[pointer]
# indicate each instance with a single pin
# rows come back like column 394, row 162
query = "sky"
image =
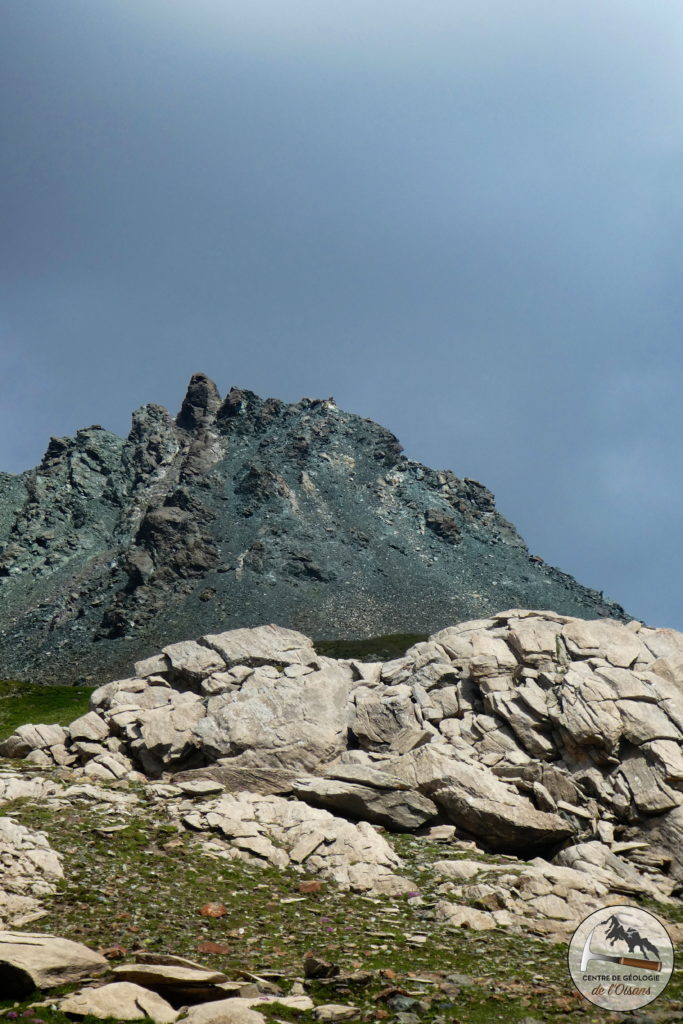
column 462, row 218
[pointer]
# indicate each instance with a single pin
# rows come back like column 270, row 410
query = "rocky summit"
column 241, row 511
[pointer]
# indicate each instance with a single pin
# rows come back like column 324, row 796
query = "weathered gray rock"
column 464, row 917
column 604, row 638
column 536, row 641
column 401, row 809
column 18, row 787
column 463, row 869
column 364, row 775
column 223, row 1011
column 28, row 738
column 280, row 831
column 264, row 645
column 180, row 983
column 119, row 999
column 31, row 870
column 237, row 778
column 336, row 1011
column 380, row 718
column 596, row 859
column 192, row 661
column 282, row 723
column 168, row 734
column 30, row 960
column 200, row 787
column 650, row 793
column 473, row 798
column 88, row 727
column 156, row 665
column 524, row 730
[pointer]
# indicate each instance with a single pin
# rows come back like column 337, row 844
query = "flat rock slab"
column 264, row 645
column 300, row 1003
column 201, row 787
column 364, row 775
column 403, row 809
column 170, row 977
column 122, row 1000
column 224, row 1011
column 30, row 960
column 464, row 917
column 242, row 779
column 336, row 1011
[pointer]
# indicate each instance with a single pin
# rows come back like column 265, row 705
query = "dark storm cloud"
column 463, row 219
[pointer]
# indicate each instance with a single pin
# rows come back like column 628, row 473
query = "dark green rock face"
column 240, row 512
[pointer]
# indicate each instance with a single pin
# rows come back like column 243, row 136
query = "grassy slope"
column 26, row 702
column 143, row 887
column 374, row 648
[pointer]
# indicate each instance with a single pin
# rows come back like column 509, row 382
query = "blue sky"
column 462, row 219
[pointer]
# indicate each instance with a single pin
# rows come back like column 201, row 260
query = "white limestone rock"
column 30, row 960
column 120, row 999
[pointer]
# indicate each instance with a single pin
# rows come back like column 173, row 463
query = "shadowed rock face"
column 242, row 511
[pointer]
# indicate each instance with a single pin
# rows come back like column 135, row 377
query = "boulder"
column 379, row 719
column 535, row 640
column 283, row 722
column 168, row 734
column 606, row 639
column 401, row 809
column 464, row 917
column 263, row 645
column 156, row 665
column 179, row 983
column 472, row 797
column 223, row 1011
column 237, row 778
column 28, row 738
column 191, row 661
column 649, row 792
column 331, row 1012
column 122, row 1000
column 31, row 961
column 200, row 787
column 89, row 727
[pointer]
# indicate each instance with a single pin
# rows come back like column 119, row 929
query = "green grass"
column 143, row 888
column 27, row 702
column 373, row 648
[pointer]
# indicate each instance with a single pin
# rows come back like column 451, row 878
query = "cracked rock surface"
column 534, row 734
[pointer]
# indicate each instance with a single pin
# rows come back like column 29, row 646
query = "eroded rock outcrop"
column 532, row 732
column 30, row 871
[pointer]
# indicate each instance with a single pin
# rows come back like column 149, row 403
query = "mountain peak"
column 201, row 403
column 243, row 511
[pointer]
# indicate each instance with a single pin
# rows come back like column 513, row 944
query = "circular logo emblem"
column 621, row 958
